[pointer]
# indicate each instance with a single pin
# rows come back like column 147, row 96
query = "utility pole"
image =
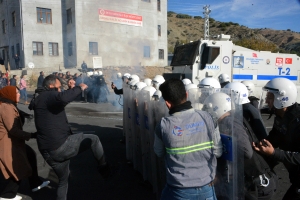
column 206, row 21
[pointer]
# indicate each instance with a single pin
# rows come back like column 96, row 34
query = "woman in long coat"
column 17, row 160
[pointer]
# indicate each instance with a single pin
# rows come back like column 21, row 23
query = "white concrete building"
column 62, row 34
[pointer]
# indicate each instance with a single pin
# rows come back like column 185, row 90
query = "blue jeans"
column 23, row 93
column 59, row 159
column 206, row 192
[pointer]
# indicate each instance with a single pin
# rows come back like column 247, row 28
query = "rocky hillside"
column 185, row 29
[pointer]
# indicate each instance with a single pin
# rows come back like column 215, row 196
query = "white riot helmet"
column 132, row 83
column 186, row 81
column 150, row 89
column 224, row 78
column 250, row 86
column 157, row 81
column 95, row 73
column 119, row 75
column 89, row 74
column 148, row 81
column 134, row 77
column 190, row 86
column 240, row 88
column 126, row 75
column 217, row 104
column 157, row 95
column 284, row 90
column 100, row 73
column 139, row 86
column 209, row 83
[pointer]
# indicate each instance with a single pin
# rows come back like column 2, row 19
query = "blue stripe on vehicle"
column 243, row 76
column 262, row 77
column 269, row 77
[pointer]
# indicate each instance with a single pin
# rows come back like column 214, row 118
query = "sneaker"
column 17, row 197
column 26, row 103
column 44, row 184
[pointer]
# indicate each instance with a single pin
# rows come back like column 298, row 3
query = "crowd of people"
column 194, row 168
column 192, row 152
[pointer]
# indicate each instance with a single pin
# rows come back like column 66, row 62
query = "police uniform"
column 285, row 135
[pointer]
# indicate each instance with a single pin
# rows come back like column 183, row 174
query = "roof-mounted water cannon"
column 224, row 37
column 206, row 21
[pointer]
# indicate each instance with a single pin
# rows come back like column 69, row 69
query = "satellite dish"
column 30, row 65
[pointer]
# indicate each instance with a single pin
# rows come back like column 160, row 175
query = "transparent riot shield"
column 136, row 132
column 197, row 96
column 127, row 93
column 229, row 182
column 160, row 111
column 147, row 135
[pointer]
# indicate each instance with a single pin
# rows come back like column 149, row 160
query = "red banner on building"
column 120, row 17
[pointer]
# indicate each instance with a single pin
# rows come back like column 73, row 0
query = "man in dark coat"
column 13, row 80
column 55, row 139
column 40, row 79
column 17, row 61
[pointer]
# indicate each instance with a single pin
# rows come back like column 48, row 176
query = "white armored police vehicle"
column 211, row 58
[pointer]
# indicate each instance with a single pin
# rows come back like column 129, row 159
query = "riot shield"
column 160, row 111
column 147, row 130
column 197, row 96
column 229, row 182
column 127, row 93
column 136, row 132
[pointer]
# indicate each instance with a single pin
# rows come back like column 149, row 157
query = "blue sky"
column 274, row 14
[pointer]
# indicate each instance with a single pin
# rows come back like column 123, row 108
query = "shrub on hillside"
column 257, row 45
column 197, row 17
column 184, row 16
column 170, row 13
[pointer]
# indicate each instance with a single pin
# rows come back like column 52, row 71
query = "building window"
column 158, row 5
column 53, row 49
column 93, row 48
column 146, row 51
column 159, row 30
column 14, row 19
column 69, row 16
column 160, row 54
column 18, row 49
column 3, row 54
column 70, row 48
column 12, row 51
column 37, row 48
column 3, row 26
column 146, row 0
column 44, row 15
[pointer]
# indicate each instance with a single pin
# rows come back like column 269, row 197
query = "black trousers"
column 12, row 186
column 17, row 65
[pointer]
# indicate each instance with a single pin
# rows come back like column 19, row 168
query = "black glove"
column 33, row 135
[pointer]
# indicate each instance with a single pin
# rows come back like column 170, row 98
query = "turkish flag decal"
column 288, row 60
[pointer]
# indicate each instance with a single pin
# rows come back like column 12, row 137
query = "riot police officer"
column 280, row 94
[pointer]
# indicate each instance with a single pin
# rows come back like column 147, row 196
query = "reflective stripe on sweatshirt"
column 190, row 149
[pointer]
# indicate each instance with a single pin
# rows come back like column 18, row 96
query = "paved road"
column 85, row 182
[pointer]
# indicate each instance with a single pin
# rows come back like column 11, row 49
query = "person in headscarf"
column 17, row 159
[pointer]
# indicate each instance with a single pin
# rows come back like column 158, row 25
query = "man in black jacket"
column 55, row 139
column 13, row 80
column 40, row 79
